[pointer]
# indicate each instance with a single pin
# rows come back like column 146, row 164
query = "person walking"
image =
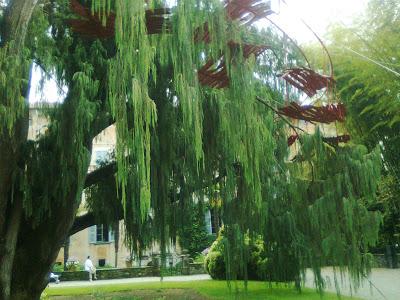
column 89, row 267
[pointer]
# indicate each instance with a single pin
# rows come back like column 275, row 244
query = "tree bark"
column 17, row 18
column 66, row 251
column 116, row 243
column 13, row 32
column 10, row 242
column 43, row 241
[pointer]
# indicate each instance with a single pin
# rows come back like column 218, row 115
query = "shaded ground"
column 164, row 294
column 381, row 281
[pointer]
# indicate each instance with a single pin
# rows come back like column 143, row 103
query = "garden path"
column 386, row 280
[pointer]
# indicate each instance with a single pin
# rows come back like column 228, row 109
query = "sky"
column 316, row 13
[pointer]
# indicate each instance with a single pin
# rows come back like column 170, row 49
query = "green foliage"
column 106, row 266
column 370, row 90
column 57, row 268
column 388, row 203
column 74, row 266
column 256, row 268
column 12, row 65
column 193, row 236
column 179, row 142
column 199, row 258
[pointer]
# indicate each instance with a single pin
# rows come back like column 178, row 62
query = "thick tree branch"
column 99, row 174
column 88, row 219
column 83, row 222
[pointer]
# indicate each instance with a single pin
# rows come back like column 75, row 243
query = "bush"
column 58, row 267
column 73, row 266
column 215, row 264
column 106, row 266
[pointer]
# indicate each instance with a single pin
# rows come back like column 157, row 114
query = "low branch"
column 82, row 222
column 88, row 219
column 99, row 174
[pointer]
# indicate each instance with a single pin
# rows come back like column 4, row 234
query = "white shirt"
column 88, row 265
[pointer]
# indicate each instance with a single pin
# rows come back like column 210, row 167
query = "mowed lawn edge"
column 212, row 289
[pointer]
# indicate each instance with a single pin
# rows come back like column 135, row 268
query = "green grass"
column 211, row 289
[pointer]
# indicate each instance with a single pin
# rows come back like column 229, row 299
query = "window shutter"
column 111, row 235
column 92, row 234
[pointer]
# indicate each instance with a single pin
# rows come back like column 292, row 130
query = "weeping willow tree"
column 178, row 143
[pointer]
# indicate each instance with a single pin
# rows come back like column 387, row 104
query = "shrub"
column 74, row 266
column 58, row 267
column 106, row 266
column 215, row 264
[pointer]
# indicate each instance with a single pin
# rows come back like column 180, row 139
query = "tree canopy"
column 177, row 139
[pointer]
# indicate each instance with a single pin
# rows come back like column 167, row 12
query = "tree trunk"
column 17, row 18
column 66, row 252
column 8, row 252
column 13, row 32
column 116, row 243
column 43, row 242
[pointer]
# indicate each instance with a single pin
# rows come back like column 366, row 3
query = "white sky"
column 317, row 13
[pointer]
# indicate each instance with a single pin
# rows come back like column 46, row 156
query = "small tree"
column 193, row 236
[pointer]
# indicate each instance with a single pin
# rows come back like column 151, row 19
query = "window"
column 208, row 222
column 101, row 156
column 100, row 234
column 212, row 222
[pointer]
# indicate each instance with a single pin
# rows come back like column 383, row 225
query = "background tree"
column 174, row 138
column 368, row 72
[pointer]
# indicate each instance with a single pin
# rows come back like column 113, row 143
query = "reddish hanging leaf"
column 247, row 11
column 307, row 80
column 292, row 139
column 321, row 114
column 91, row 26
column 215, row 75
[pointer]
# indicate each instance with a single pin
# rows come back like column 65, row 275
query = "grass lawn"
column 198, row 290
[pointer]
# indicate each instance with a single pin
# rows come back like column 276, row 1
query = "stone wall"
column 192, row 269
column 111, row 273
column 196, row 268
column 381, row 261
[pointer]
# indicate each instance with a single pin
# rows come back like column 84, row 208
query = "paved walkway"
column 128, row 280
column 386, row 280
